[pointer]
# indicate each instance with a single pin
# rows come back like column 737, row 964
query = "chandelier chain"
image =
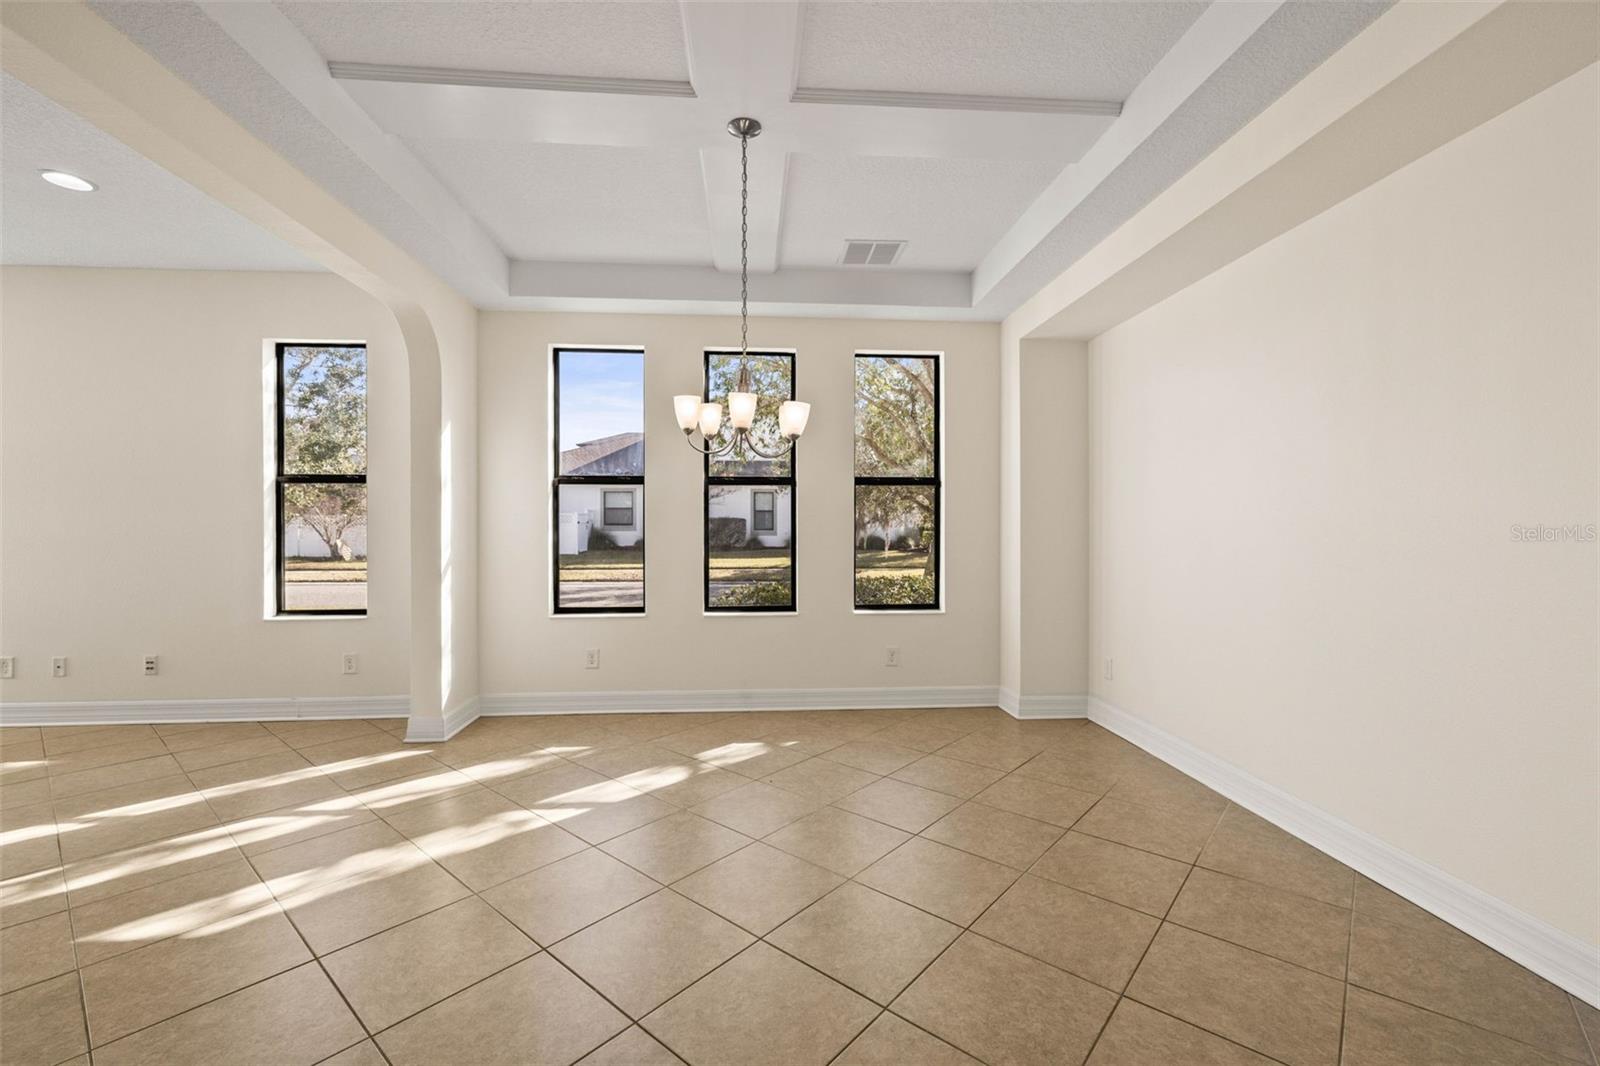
column 728, row 437
column 744, row 246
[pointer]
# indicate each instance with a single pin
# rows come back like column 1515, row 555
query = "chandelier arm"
column 750, row 442
column 721, row 446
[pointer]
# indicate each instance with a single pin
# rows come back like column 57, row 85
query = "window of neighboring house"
column 619, row 509
column 897, row 482
column 321, row 489
column 765, row 511
column 597, row 487
column 749, row 514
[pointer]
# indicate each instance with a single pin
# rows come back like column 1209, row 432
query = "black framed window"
column 320, row 495
column 597, row 484
column 749, row 512
column 897, row 482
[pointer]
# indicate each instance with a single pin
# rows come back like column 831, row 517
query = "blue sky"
column 601, row 393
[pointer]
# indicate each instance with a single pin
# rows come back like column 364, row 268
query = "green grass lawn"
column 604, row 564
column 325, row 569
column 891, row 562
column 754, row 564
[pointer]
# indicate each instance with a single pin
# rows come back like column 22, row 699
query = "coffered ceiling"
column 573, row 155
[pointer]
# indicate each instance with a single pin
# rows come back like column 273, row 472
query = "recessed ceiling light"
column 67, row 181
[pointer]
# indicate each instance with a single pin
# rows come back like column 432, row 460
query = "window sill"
column 317, row 617
column 567, row 616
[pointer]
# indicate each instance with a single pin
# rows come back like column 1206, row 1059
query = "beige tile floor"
column 909, row 887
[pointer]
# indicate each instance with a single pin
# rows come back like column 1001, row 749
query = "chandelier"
column 695, row 414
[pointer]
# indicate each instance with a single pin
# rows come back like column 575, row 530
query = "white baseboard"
column 452, row 722
column 127, row 712
column 689, row 700
column 1558, row 957
column 1043, row 704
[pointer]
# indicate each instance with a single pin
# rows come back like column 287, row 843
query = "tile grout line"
column 1594, row 1054
column 1123, row 994
column 1344, row 985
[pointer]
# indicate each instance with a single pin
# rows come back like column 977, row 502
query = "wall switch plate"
column 352, row 663
column 8, row 667
column 152, row 665
column 591, row 659
column 891, row 656
column 1110, row 670
column 58, row 666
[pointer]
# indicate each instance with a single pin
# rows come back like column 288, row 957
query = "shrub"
column 725, row 532
column 894, row 588
column 905, row 542
column 872, row 543
column 756, row 594
column 600, row 540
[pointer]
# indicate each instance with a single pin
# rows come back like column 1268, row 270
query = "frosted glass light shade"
column 710, row 419
column 687, row 408
column 792, row 418
column 742, row 409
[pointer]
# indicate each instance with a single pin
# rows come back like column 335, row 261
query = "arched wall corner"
column 68, row 53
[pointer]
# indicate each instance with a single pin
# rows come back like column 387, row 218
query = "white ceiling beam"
column 1216, row 35
column 707, row 288
column 273, row 41
column 769, row 172
column 450, row 109
column 956, row 101
column 507, row 79
column 742, row 57
column 460, row 111
column 926, row 133
column 1418, row 77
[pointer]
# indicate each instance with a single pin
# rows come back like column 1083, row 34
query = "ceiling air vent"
column 872, row 253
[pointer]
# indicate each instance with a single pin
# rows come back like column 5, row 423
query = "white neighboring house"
column 300, row 541
column 616, row 510
column 764, row 509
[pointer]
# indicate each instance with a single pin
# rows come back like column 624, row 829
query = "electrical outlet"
column 152, row 665
column 8, row 667
column 58, row 666
column 591, row 659
column 352, row 663
column 891, row 656
column 1110, row 670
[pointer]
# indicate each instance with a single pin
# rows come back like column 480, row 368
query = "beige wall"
column 1306, row 473
column 1053, row 514
column 675, row 646
column 1044, row 525
column 134, row 511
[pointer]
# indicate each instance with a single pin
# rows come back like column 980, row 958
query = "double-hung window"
column 749, row 533
column 320, row 490
column 597, row 487
column 897, row 482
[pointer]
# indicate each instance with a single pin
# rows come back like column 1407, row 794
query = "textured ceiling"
column 950, row 210
column 1089, row 50
column 584, row 203
column 602, row 39
column 140, row 216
